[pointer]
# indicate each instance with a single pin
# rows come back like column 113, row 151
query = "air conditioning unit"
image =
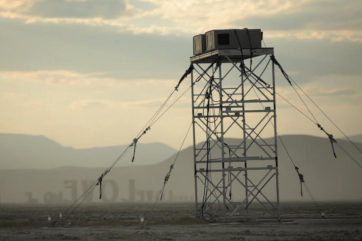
column 199, row 44
column 233, row 39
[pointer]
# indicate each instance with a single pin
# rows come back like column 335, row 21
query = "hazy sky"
column 91, row 72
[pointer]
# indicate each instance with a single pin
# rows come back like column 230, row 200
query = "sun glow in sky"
column 91, row 73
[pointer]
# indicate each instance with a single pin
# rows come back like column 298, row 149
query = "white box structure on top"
column 233, row 39
column 199, row 42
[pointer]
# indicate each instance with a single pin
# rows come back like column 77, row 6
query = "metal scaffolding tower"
column 234, row 134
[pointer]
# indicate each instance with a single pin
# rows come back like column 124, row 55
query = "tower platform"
column 225, row 55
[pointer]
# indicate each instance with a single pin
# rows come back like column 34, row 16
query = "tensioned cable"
column 296, row 168
column 289, row 79
column 208, row 95
column 157, row 112
column 295, row 107
column 305, row 105
column 312, row 197
column 326, row 116
column 332, row 140
column 301, row 177
column 330, row 136
column 182, row 143
column 349, row 155
column 171, row 105
column 68, row 212
column 206, row 186
column 84, row 195
column 314, row 120
column 286, row 151
column 311, row 120
column 168, row 175
column 155, row 117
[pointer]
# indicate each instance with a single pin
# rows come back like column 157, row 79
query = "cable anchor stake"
column 167, row 177
column 135, row 140
column 100, row 180
column 301, row 179
column 332, row 140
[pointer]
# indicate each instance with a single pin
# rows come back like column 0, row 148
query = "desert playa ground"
column 342, row 221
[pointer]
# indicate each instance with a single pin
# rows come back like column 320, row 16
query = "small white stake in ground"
column 142, row 219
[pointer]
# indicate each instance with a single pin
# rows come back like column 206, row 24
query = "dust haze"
column 41, row 173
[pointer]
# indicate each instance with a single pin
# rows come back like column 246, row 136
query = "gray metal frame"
column 235, row 134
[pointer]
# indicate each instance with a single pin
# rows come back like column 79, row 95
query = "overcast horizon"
column 90, row 73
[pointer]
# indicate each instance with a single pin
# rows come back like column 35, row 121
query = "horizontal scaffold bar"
column 202, row 170
column 237, row 159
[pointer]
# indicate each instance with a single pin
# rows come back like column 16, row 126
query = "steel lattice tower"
column 235, row 134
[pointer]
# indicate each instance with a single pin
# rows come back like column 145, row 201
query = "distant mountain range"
column 39, row 152
column 356, row 138
column 328, row 178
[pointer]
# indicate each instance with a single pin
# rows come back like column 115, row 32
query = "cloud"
column 78, row 8
column 59, row 77
column 142, row 4
column 15, row 5
column 71, row 78
column 328, row 20
column 330, row 91
column 334, row 92
column 88, row 12
column 107, row 103
column 331, row 20
column 310, row 34
column 193, row 16
column 86, row 49
column 209, row 13
column 313, row 15
column 64, row 8
column 344, row 88
column 90, row 104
